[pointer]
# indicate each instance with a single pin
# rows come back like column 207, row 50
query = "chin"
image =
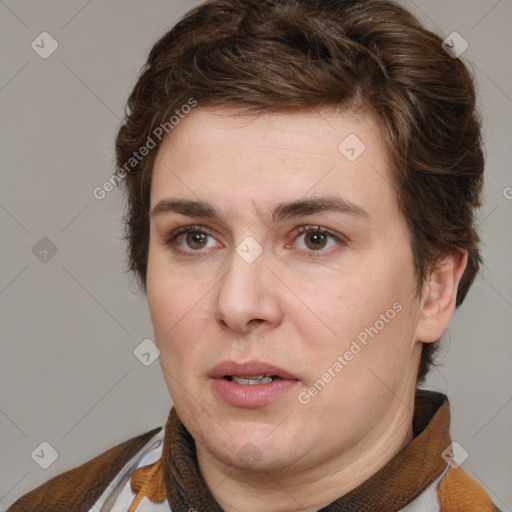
column 250, row 458
column 249, row 448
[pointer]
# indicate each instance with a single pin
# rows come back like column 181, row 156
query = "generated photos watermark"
column 151, row 142
column 355, row 348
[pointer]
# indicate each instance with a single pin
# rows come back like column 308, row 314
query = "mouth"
column 250, row 373
column 253, row 380
column 252, row 384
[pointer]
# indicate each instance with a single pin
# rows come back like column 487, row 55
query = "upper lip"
column 248, row 369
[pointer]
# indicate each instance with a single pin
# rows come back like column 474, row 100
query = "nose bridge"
column 247, row 291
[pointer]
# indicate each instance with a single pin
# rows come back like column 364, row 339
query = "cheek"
column 171, row 309
column 372, row 309
column 164, row 295
column 355, row 302
column 160, row 298
column 166, row 292
column 177, row 308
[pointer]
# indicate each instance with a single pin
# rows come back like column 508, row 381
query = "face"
column 284, row 304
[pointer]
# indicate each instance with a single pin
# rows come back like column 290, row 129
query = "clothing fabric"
column 158, row 472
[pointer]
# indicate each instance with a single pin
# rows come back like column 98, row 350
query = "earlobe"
column 439, row 296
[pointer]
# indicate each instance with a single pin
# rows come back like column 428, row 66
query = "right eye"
column 195, row 238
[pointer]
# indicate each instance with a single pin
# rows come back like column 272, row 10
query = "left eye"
column 315, row 238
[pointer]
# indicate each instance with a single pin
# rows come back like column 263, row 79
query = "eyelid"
column 299, row 230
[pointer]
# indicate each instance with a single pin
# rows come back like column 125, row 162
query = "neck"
column 294, row 489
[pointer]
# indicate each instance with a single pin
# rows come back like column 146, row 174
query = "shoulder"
column 461, row 493
column 77, row 490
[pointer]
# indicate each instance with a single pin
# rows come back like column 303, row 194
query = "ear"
column 439, row 295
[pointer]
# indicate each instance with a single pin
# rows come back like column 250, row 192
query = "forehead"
column 276, row 156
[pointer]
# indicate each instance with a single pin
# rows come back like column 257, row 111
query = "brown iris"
column 196, row 239
column 317, row 238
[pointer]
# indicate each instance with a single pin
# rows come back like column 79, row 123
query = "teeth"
column 260, row 379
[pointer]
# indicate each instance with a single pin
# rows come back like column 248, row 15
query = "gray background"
column 70, row 325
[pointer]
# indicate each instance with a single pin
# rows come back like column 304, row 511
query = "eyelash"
column 300, row 230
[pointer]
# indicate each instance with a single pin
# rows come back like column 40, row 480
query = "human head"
column 368, row 56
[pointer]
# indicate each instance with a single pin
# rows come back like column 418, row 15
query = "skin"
column 289, row 308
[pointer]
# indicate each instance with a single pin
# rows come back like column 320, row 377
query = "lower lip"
column 252, row 396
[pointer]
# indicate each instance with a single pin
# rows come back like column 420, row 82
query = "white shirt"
column 118, row 496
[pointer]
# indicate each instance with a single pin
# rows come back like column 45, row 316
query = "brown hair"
column 270, row 55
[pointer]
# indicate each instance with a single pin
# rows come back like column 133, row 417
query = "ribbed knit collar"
column 403, row 478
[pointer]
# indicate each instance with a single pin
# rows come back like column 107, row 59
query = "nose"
column 248, row 296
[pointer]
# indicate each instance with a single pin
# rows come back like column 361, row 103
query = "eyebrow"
column 281, row 212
